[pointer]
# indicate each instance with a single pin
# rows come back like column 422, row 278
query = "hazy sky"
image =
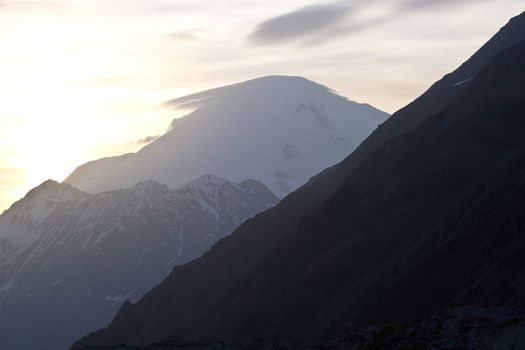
column 82, row 79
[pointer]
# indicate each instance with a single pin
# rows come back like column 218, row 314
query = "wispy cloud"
column 186, row 35
column 31, row 4
column 183, row 36
column 421, row 4
column 316, row 24
column 147, row 140
column 304, row 22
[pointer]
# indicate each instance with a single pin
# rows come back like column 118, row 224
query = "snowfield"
column 278, row 130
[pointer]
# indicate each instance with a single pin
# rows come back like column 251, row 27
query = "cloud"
column 183, row 36
column 169, row 6
column 299, row 24
column 317, row 24
column 30, row 3
column 147, row 140
column 191, row 34
column 421, row 4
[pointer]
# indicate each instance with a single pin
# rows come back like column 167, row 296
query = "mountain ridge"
column 318, row 238
column 68, row 259
column 435, row 98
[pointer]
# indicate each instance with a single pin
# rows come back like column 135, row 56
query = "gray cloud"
column 345, row 29
column 421, row 4
column 183, row 36
column 317, row 24
column 301, row 23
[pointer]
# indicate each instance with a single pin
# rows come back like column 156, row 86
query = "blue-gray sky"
column 82, row 79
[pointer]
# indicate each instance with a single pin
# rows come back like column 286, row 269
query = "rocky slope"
column 429, row 221
column 68, row 259
column 470, row 328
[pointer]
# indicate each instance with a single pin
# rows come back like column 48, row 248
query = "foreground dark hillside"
column 430, row 221
column 433, row 100
column 464, row 328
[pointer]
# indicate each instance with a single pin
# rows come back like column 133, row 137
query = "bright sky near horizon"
column 84, row 79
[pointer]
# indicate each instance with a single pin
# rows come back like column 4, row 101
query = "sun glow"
column 60, row 125
column 58, row 134
column 86, row 79
column 51, row 132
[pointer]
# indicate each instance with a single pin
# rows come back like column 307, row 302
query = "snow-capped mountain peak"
column 206, row 181
column 274, row 88
column 53, row 191
column 29, row 212
column 278, row 130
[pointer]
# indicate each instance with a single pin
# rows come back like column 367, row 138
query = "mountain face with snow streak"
column 426, row 222
column 279, row 130
column 69, row 259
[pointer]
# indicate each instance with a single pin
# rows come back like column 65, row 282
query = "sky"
column 85, row 79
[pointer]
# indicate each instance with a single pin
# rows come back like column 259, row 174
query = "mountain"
column 69, row 259
column 428, row 221
column 279, row 130
column 439, row 94
column 461, row 328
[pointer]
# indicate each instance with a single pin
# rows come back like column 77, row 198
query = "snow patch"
column 146, row 250
column 459, row 83
column 56, row 283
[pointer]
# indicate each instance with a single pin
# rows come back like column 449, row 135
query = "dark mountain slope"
column 433, row 220
column 451, row 86
column 424, row 221
column 380, row 248
column 432, row 101
column 463, row 328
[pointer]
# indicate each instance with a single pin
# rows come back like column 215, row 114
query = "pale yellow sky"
column 83, row 79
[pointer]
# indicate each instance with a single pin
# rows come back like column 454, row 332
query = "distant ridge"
column 69, row 259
